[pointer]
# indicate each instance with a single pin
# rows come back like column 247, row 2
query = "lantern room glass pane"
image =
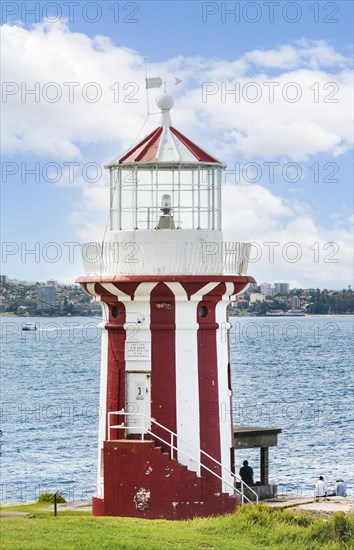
column 144, row 197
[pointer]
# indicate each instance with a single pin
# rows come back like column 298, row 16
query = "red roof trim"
column 140, row 150
column 148, row 154
column 200, row 155
column 146, row 150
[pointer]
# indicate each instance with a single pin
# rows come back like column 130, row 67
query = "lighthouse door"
column 138, row 401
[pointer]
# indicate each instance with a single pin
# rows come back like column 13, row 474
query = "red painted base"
column 97, row 506
column 141, row 481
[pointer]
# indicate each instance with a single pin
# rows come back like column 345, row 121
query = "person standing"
column 246, row 473
column 341, row 488
column 320, row 488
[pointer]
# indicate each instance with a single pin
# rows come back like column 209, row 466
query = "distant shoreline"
column 329, row 314
column 14, row 316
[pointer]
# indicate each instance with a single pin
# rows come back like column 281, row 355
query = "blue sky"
column 306, row 139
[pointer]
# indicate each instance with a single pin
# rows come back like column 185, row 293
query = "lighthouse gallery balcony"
column 165, row 257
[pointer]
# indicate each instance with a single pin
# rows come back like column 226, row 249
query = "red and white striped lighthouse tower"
column 164, row 278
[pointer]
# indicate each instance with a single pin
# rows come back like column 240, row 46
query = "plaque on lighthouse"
column 137, row 350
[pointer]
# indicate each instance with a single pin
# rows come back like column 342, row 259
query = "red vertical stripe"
column 163, row 358
column 208, row 387
column 116, row 364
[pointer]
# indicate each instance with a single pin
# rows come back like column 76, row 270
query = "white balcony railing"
column 165, row 258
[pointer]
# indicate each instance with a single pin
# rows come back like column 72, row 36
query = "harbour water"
column 291, row 373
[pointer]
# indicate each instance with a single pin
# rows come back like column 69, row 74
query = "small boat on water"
column 29, row 327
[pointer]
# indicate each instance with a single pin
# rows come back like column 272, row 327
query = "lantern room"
column 165, row 182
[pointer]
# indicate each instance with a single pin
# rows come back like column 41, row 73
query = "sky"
column 267, row 88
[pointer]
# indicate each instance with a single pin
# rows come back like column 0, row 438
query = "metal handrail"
column 173, row 447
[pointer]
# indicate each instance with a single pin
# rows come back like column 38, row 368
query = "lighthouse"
column 165, row 277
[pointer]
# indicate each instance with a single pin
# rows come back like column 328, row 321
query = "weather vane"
column 157, row 82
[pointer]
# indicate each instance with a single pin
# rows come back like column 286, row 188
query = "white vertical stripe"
column 225, row 415
column 103, row 399
column 187, row 386
column 137, row 327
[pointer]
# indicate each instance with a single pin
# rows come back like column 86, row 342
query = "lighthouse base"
column 142, row 481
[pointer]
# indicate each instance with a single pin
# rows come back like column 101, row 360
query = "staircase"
column 142, row 479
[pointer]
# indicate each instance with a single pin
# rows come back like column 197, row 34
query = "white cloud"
column 289, row 140
column 304, row 53
column 320, row 121
column 46, row 54
column 254, row 214
column 52, row 54
column 91, row 217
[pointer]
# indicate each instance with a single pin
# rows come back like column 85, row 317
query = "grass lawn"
column 249, row 528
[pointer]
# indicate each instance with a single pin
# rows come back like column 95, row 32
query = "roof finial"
column 165, row 102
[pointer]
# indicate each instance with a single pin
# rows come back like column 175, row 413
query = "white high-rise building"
column 266, row 289
column 46, row 297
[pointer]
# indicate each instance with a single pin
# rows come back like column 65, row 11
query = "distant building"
column 281, row 288
column 3, row 279
column 266, row 289
column 256, row 297
column 242, row 304
column 295, row 303
column 46, row 297
column 51, row 282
